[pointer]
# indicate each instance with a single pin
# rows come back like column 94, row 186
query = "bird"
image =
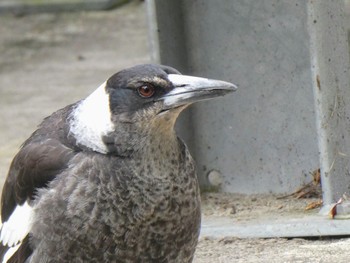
column 107, row 179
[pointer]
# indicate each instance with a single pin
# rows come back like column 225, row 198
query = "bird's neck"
column 131, row 138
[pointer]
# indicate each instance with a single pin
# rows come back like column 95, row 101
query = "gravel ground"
column 50, row 60
column 296, row 250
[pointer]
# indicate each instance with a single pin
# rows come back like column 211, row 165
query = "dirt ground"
column 50, row 60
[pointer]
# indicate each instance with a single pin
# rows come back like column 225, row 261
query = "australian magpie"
column 106, row 179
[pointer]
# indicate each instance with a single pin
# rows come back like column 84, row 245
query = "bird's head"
column 139, row 100
column 147, row 92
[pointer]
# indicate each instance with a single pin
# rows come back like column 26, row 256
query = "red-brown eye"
column 146, row 91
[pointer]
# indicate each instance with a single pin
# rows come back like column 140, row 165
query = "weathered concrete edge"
column 308, row 226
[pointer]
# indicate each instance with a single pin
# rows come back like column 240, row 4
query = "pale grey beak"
column 190, row 89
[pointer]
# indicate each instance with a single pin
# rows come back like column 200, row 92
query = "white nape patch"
column 92, row 119
column 15, row 229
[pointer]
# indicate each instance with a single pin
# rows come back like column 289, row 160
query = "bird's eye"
column 146, row 91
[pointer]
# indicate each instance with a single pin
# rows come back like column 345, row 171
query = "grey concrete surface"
column 330, row 55
column 262, row 138
column 286, row 227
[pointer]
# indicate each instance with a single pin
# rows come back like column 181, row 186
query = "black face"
column 138, row 87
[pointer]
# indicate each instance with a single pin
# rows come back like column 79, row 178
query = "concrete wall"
column 262, row 138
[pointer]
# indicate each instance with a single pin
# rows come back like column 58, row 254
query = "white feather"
column 9, row 253
column 92, row 119
column 15, row 229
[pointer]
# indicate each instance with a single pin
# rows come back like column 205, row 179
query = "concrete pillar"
column 329, row 48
